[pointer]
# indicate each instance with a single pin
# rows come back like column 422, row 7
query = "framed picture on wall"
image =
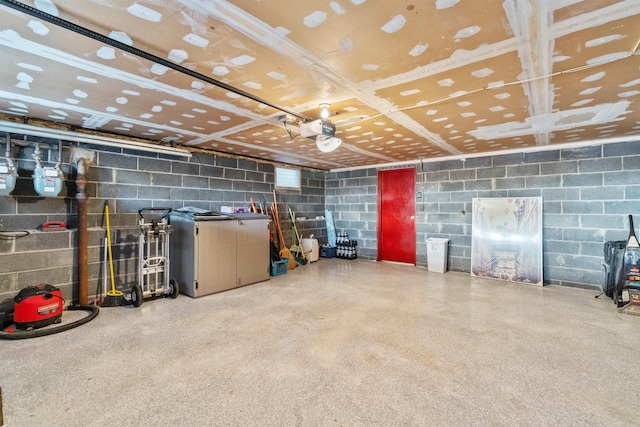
column 506, row 239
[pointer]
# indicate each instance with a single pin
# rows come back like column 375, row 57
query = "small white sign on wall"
column 506, row 241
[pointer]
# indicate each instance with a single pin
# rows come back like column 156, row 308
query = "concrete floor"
column 337, row 343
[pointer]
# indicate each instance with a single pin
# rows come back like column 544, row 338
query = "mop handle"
column 113, row 283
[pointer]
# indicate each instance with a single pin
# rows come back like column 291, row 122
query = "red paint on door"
column 397, row 215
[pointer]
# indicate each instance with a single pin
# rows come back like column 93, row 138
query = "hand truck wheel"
column 136, row 295
column 174, row 288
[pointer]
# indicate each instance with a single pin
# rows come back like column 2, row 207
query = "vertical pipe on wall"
column 81, row 197
column 83, row 158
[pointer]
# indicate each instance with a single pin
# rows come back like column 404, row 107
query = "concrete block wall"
column 352, row 196
column 128, row 180
column 587, row 195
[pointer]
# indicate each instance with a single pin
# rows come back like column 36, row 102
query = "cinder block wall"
column 587, row 195
column 128, row 181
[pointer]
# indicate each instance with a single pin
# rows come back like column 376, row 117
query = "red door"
column 397, row 215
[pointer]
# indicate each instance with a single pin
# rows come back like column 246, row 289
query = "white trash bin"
column 311, row 249
column 437, row 250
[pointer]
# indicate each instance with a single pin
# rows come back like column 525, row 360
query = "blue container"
column 327, row 251
column 280, row 267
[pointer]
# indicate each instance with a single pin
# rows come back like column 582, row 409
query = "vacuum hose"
column 93, row 312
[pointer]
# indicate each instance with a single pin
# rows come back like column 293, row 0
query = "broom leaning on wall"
column 284, row 251
column 114, row 297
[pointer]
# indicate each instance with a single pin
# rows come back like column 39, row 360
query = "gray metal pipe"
column 8, row 152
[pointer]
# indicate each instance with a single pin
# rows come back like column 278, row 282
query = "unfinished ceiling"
column 406, row 80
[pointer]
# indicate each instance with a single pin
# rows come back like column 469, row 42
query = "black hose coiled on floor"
column 93, row 312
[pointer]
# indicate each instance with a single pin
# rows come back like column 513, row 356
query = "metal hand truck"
column 153, row 257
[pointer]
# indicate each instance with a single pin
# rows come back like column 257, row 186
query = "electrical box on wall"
column 7, row 179
column 47, row 181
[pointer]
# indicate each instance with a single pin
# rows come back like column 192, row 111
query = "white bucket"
column 311, row 249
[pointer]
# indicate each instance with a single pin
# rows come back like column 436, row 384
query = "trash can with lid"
column 437, row 254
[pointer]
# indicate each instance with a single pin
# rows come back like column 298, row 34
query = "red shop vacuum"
column 38, row 306
column 35, row 307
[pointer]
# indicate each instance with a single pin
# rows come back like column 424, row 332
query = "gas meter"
column 7, row 179
column 47, row 181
